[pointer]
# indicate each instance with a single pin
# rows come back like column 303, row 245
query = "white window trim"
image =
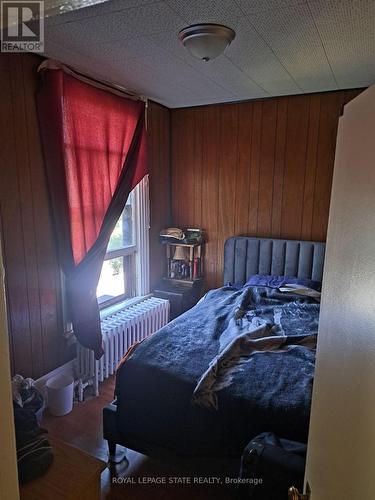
column 142, row 236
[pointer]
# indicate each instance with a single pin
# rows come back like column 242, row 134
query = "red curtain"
column 94, row 144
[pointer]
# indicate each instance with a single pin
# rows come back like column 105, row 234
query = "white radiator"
column 120, row 330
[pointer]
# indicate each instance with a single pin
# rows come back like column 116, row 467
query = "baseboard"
column 66, row 369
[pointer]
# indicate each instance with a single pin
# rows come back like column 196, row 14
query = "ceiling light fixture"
column 206, row 41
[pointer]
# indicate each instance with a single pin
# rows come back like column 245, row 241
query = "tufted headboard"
column 245, row 256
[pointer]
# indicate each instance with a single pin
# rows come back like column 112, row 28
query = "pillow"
column 280, row 281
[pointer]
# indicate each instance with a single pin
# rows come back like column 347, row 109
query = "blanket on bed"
column 239, row 363
column 256, row 326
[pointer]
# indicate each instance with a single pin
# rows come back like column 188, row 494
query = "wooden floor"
column 83, row 428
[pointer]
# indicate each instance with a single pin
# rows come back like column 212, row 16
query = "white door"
column 8, row 464
column 341, row 449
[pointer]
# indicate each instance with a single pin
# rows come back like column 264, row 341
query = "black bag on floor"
column 34, row 452
column 270, row 466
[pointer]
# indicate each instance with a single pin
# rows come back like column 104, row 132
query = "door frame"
column 8, row 456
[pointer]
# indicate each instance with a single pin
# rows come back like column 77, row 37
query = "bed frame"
column 243, row 257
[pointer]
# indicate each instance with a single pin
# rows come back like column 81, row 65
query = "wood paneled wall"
column 158, row 134
column 261, row 168
column 32, row 273
column 30, row 258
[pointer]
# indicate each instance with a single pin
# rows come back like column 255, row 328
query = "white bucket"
column 60, row 394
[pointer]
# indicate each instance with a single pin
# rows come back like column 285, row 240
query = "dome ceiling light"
column 206, row 41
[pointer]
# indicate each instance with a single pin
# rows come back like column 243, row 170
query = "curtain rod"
column 102, row 84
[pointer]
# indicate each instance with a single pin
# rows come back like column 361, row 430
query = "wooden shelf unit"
column 194, row 259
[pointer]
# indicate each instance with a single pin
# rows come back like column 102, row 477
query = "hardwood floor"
column 83, row 428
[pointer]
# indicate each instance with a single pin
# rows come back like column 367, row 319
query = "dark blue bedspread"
column 268, row 391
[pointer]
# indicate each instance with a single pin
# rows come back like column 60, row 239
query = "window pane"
column 111, row 283
column 127, row 221
column 123, row 233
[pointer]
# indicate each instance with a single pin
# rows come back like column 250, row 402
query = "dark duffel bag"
column 270, row 466
column 34, row 452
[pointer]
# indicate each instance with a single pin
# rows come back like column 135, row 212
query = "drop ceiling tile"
column 253, row 6
column 294, row 39
column 225, row 73
column 207, row 11
column 170, row 42
column 158, row 93
column 253, row 56
column 138, row 77
column 355, row 84
column 176, row 71
column 144, row 20
column 185, row 89
column 78, row 61
column 311, row 85
column 281, row 87
column 136, row 70
column 121, row 50
column 362, row 70
column 348, row 34
column 188, row 103
column 167, row 63
column 336, row 12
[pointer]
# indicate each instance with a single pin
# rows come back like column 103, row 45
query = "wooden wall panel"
column 261, row 168
column 227, row 180
column 252, row 224
column 245, row 123
column 267, row 166
column 158, row 133
column 294, row 173
column 210, row 182
column 30, row 257
column 279, row 168
column 32, row 272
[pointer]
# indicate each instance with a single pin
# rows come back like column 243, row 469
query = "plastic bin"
column 60, row 394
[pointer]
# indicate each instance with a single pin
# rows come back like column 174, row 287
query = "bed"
column 239, row 363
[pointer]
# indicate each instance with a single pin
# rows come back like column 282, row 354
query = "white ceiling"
column 281, row 47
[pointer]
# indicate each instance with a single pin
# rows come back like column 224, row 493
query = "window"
column 125, row 268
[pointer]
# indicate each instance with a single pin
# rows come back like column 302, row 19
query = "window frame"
column 140, row 252
column 137, row 256
column 128, row 253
